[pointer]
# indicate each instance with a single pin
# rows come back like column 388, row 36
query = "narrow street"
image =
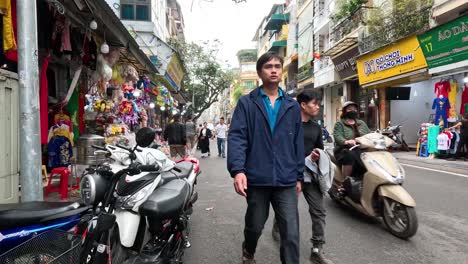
column 216, row 234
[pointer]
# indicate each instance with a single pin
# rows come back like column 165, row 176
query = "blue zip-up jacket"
column 267, row 159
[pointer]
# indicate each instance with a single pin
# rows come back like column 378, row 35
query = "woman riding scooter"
column 345, row 132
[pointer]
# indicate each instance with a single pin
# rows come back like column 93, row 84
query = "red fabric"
column 442, row 88
column 43, row 101
column 464, row 100
column 449, row 135
column 13, row 54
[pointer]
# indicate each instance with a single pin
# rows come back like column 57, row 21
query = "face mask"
column 351, row 115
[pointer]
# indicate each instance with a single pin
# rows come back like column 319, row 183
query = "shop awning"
column 278, row 44
column 110, row 26
column 276, row 21
column 180, row 96
column 410, row 77
column 451, row 6
column 340, row 46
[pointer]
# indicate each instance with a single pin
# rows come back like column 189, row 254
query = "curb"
column 442, row 168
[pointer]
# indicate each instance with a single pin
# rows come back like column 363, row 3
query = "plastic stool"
column 62, row 187
column 423, row 151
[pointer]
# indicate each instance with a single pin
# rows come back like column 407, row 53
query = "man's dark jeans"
column 221, row 146
column 284, row 202
column 314, row 198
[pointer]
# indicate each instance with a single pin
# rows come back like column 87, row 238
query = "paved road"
column 442, row 237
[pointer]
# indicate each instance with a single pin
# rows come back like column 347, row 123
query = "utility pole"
column 28, row 71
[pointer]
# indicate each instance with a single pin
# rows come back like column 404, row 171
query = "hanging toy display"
column 102, row 106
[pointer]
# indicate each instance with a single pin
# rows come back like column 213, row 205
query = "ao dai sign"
column 446, row 44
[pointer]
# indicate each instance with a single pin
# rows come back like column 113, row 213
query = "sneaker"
column 247, row 258
column 275, row 232
column 317, row 256
column 224, row 156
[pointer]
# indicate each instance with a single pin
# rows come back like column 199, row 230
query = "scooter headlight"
column 397, row 179
column 129, row 201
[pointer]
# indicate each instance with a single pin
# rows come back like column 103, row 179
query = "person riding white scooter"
column 345, row 132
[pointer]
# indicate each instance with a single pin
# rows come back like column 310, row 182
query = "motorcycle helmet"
column 348, row 103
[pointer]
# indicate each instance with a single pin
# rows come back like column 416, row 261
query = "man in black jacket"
column 176, row 137
column 309, row 102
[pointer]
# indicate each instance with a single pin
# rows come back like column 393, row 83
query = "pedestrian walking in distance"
column 266, row 159
column 221, row 131
column 190, row 130
column 204, row 140
column 175, row 135
column 309, row 102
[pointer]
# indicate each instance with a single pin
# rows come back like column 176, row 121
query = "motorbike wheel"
column 404, row 146
column 400, row 219
column 118, row 253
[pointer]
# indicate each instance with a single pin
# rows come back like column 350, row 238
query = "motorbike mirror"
column 145, row 136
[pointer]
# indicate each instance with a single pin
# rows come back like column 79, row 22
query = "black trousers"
column 462, row 150
column 284, row 202
column 314, row 198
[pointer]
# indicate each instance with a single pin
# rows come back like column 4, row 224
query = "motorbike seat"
column 331, row 155
column 180, row 171
column 166, row 201
column 21, row 214
column 183, row 169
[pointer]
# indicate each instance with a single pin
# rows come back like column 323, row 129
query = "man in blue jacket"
column 266, row 159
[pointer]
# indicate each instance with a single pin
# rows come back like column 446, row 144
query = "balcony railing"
column 347, row 25
column 304, row 74
column 393, row 28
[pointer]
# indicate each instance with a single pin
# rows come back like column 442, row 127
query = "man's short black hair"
column 308, row 95
column 221, row 118
column 266, row 58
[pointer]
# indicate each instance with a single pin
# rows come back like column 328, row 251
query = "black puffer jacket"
column 175, row 134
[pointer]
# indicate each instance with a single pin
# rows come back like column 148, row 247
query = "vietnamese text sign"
column 446, row 44
column 402, row 57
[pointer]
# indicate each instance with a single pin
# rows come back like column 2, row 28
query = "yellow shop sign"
column 402, row 57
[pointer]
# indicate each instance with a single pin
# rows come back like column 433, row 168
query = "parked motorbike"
column 379, row 191
column 141, row 211
column 326, row 137
column 19, row 222
column 394, row 132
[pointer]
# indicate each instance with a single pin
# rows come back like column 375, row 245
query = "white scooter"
column 146, row 198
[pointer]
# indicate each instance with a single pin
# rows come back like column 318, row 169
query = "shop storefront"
column 94, row 79
column 345, row 66
column 420, row 82
column 381, row 72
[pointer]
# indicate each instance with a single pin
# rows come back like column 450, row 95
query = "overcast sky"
column 233, row 24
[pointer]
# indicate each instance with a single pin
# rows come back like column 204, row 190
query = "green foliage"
column 346, row 8
column 237, row 93
column 205, row 78
column 247, row 55
column 407, row 17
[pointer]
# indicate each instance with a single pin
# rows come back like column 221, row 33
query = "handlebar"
column 129, row 149
column 99, row 147
column 353, row 147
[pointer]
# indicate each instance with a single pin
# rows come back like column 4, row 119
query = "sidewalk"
column 410, row 158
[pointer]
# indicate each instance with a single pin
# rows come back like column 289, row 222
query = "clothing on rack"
column 441, row 105
column 9, row 42
column 464, row 100
column 443, row 142
column 60, row 151
column 452, row 96
column 454, row 142
column 432, row 143
column 442, row 88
